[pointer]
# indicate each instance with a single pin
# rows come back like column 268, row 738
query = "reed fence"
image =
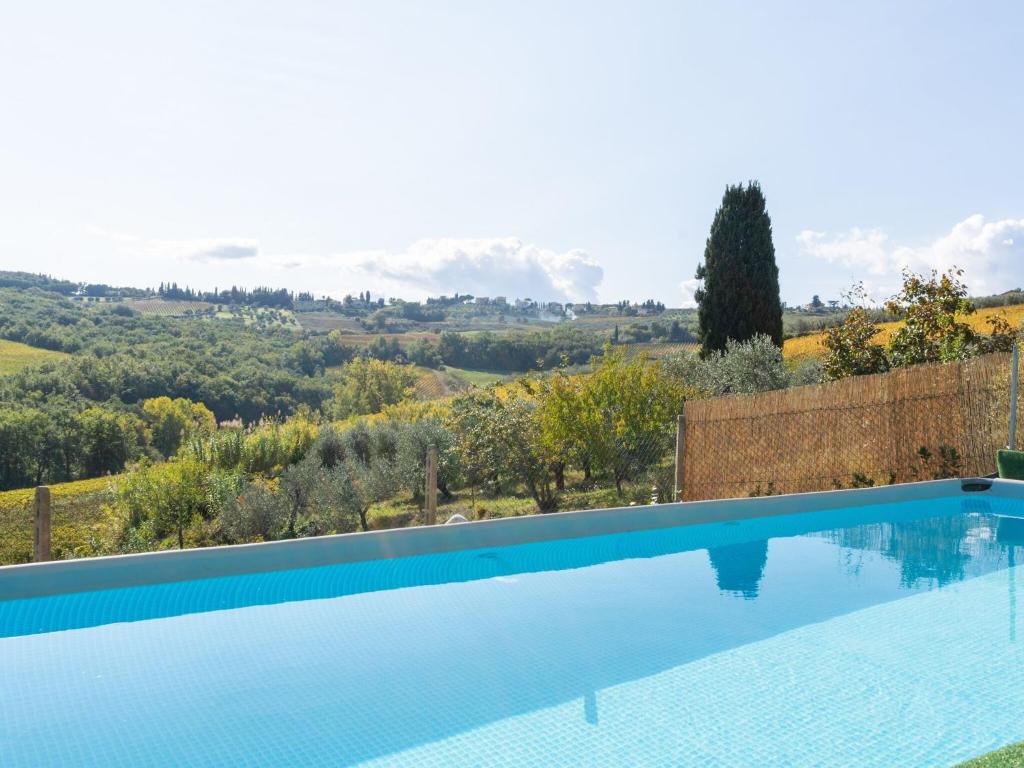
column 914, row 423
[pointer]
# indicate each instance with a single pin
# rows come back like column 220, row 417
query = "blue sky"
column 552, row 149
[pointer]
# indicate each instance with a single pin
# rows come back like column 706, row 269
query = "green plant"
column 768, row 490
column 932, row 331
column 860, row 480
column 739, row 296
column 944, row 463
column 849, row 347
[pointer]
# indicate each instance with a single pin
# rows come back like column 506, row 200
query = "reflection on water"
column 931, row 552
column 1010, row 530
column 739, row 567
column 940, row 550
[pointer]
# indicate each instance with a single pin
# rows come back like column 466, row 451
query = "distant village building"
column 500, row 301
column 554, row 308
column 524, row 303
column 483, row 300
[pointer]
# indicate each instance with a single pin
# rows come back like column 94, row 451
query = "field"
column 263, row 317
column 328, row 321
column 813, row 345
column 475, row 378
column 433, row 385
column 167, row 307
column 260, row 316
column 78, row 519
column 655, row 350
column 404, row 339
column 599, row 323
column 15, row 356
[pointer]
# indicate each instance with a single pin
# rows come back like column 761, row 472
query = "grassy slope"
column 657, row 349
column 1008, row 757
column 401, row 512
column 15, row 356
column 328, row 321
column 432, row 385
column 404, row 339
column 77, row 510
column 476, row 378
column 812, row 345
column 180, row 308
column 253, row 315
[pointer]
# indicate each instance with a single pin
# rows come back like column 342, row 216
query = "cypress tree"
column 740, row 294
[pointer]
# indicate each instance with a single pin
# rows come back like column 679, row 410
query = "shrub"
column 755, row 365
column 849, row 349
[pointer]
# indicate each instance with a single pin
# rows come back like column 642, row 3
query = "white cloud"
column 483, row 267
column 990, row 253
column 203, row 249
column 689, row 291
column 222, row 248
column 862, row 249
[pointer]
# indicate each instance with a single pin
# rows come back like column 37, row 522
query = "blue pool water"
column 874, row 636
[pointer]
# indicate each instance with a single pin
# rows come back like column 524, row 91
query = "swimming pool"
column 870, row 628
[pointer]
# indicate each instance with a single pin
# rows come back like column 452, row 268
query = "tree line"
column 260, row 296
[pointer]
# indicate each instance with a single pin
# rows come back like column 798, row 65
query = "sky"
column 557, row 150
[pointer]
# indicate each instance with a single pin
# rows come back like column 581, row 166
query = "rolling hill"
column 14, row 356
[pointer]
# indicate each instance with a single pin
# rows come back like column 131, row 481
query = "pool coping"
column 89, row 574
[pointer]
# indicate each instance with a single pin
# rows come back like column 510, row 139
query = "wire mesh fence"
column 76, row 520
column 618, row 469
column 918, row 423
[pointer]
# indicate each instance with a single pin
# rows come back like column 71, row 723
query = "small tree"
column 370, row 473
column 469, row 419
column 931, row 330
column 369, row 385
column 258, row 513
column 499, row 440
column 167, row 497
column 565, row 424
column 931, row 308
column 617, row 418
column 173, row 421
column 414, row 440
column 850, row 349
column 321, row 499
column 369, row 482
column 755, row 365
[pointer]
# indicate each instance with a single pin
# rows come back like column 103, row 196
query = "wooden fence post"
column 431, row 489
column 680, row 454
column 41, row 531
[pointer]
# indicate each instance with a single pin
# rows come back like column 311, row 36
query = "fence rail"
column 910, row 424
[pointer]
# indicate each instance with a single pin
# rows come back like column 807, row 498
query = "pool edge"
column 90, row 574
